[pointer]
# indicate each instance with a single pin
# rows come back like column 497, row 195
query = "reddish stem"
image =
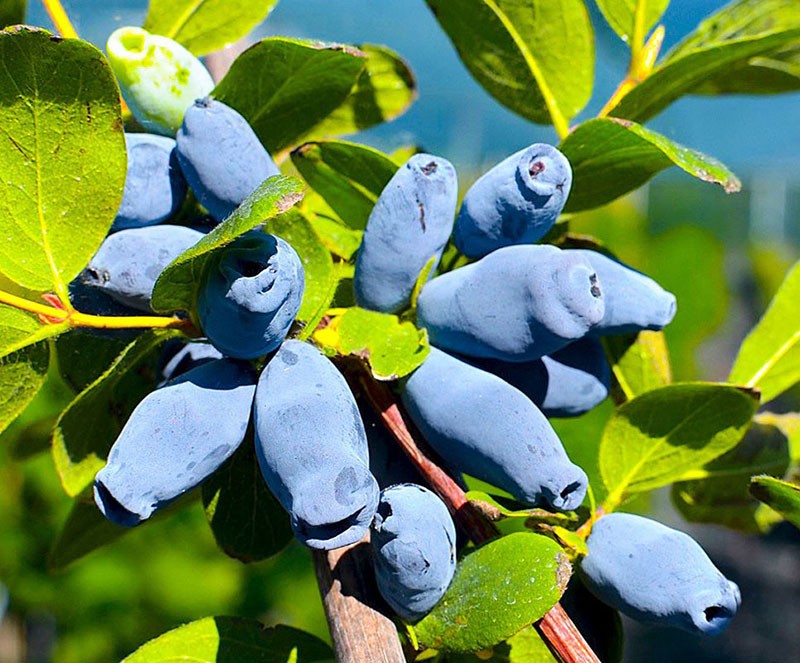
column 556, row 628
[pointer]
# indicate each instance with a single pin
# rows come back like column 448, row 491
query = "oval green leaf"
column 384, row 90
column 203, row 26
column 63, row 157
column 611, row 157
column 657, row 437
column 517, row 51
column 497, row 590
column 622, row 15
column 348, row 176
column 176, row 287
column 229, row 639
column 718, row 492
column 286, row 87
column 769, row 359
column 718, row 50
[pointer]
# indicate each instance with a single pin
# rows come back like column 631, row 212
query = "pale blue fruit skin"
column 654, row 573
column 250, row 294
column 174, row 439
column 154, row 185
column 312, row 448
column 516, row 202
column 128, row 262
column 158, row 78
column 482, row 426
column 413, row 541
column 221, row 156
column 634, row 302
column 568, row 383
column 517, row 304
column 410, row 224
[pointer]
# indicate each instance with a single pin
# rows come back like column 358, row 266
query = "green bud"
column 158, row 77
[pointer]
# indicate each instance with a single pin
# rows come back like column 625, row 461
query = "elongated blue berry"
column 413, row 541
column 175, row 438
column 221, row 156
column 128, row 262
column 159, row 79
column 516, row 202
column 154, row 185
column 657, row 574
column 484, row 427
column 312, row 448
column 566, row 383
column 633, row 301
column 410, row 224
column 517, row 304
column 250, row 294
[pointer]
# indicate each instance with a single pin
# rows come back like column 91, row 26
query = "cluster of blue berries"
column 514, row 336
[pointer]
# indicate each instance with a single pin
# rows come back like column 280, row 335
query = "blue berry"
column 413, row 541
column 312, row 448
column 484, row 427
column 175, row 438
column 517, row 304
column 657, row 574
column 516, row 202
column 633, row 301
column 250, row 294
column 567, row 383
column 128, row 262
column 410, row 224
column 221, row 156
column 154, row 185
column 178, row 357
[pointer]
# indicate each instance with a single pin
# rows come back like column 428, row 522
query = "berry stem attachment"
column 60, row 19
column 556, row 628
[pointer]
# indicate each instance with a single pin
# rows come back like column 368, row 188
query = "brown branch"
column 358, row 620
column 556, row 628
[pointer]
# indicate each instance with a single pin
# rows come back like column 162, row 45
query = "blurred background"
column 722, row 255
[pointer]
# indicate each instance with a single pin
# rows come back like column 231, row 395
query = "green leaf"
column 769, row 74
column 321, row 277
column 348, row 176
column 718, row 492
column 384, row 90
column 769, row 359
column 85, row 530
column 83, row 356
column 518, row 51
column 24, row 360
column 204, row 26
column 611, row 157
column 392, row 348
column 717, row 50
column 88, row 427
column 782, row 496
column 62, row 157
column 657, row 437
column 621, row 15
column 526, row 646
column 337, row 237
column 495, row 510
column 247, row 521
column 12, row 12
column 639, row 363
column 497, row 590
column 287, row 87
column 229, row 639
column 176, row 287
